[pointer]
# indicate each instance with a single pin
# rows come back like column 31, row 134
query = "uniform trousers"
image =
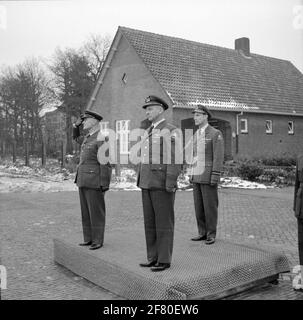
column 93, row 214
column 300, row 240
column 159, row 221
column 206, row 208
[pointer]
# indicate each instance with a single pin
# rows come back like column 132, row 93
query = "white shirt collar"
column 203, row 128
column 96, row 130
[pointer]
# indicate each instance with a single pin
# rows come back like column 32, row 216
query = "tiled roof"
column 193, row 72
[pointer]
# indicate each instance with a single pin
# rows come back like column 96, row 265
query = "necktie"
column 150, row 129
column 86, row 137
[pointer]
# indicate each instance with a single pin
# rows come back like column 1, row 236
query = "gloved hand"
column 214, row 179
column 169, row 189
column 79, row 121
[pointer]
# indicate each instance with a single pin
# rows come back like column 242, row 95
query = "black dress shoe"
column 148, row 264
column 198, row 238
column 95, row 246
column 87, row 243
column 210, row 241
column 160, row 267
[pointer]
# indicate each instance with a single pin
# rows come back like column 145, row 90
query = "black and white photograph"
column 151, row 151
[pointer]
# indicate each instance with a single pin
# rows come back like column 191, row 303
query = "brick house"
column 257, row 101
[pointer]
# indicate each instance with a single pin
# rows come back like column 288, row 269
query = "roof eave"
column 294, row 113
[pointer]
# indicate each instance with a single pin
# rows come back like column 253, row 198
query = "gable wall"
column 118, row 101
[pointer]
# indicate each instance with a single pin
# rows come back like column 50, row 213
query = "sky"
column 37, row 28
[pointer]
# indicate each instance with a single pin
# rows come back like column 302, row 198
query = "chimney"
column 242, row 45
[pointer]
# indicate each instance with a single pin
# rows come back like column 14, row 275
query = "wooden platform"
column 198, row 271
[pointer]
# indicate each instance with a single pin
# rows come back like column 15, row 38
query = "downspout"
column 237, row 130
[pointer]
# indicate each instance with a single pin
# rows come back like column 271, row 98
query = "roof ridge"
column 198, row 43
column 191, row 72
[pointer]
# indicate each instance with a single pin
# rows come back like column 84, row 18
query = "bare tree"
column 75, row 73
column 73, row 84
column 26, row 89
column 23, row 93
column 96, row 49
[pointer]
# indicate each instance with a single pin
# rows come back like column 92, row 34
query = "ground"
column 31, row 220
column 38, row 204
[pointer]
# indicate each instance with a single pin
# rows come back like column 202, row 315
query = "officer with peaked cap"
column 92, row 179
column 208, row 149
column 298, row 209
column 158, row 180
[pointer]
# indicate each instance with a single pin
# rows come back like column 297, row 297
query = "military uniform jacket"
column 90, row 173
column 158, row 169
column 208, row 156
column 298, row 196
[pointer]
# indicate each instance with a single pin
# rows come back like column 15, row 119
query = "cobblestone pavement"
column 29, row 222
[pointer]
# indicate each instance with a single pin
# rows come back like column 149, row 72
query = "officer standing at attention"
column 92, row 179
column 158, row 180
column 208, row 147
column 298, row 209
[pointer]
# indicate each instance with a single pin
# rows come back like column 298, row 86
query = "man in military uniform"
column 298, row 208
column 93, row 179
column 208, row 152
column 158, row 180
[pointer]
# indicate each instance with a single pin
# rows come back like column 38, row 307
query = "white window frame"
column 268, row 126
column 122, row 133
column 245, row 130
column 104, row 127
column 291, row 128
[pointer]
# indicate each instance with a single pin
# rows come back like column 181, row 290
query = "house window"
column 291, row 127
column 122, row 133
column 268, row 126
column 243, row 126
column 124, row 78
column 104, row 127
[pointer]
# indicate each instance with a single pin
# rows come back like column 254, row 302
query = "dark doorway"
column 222, row 125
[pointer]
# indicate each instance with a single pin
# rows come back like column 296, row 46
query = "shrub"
column 280, row 176
column 279, row 162
column 275, row 171
column 230, row 169
column 249, row 170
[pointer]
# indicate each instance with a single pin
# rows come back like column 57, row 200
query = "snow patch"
column 53, row 178
column 236, row 182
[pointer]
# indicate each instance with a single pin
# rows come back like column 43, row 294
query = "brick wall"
column 256, row 143
column 117, row 100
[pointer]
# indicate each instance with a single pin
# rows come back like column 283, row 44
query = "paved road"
column 29, row 222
